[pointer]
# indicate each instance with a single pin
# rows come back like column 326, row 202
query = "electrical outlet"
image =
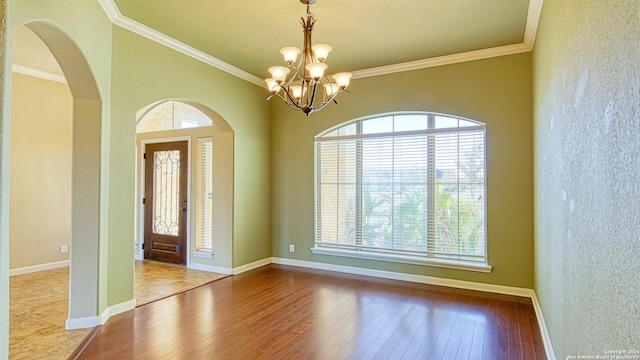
column 292, row 248
column 64, row 249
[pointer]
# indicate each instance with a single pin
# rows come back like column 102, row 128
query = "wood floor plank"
column 515, row 347
column 280, row 312
column 466, row 337
column 332, row 326
column 404, row 333
column 526, row 338
column 502, row 339
column 479, row 333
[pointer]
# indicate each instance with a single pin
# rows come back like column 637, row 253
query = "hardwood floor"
column 39, row 306
column 279, row 312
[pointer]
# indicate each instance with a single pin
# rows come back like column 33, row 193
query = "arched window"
column 406, row 187
column 171, row 115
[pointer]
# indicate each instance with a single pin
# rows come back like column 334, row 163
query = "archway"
column 85, row 193
column 210, row 211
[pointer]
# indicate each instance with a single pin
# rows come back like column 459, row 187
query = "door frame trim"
column 141, row 192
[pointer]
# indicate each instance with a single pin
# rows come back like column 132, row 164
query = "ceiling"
column 244, row 37
column 31, row 55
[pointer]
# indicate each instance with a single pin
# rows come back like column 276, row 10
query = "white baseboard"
column 82, row 323
column 40, row 267
column 93, row 321
column 546, row 339
column 460, row 284
column 210, row 268
column 251, row 266
column 116, row 309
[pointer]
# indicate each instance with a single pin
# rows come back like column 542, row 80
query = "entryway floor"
column 155, row 280
column 39, row 305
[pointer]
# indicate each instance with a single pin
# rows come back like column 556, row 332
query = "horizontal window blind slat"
column 396, row 250
column 411, row 192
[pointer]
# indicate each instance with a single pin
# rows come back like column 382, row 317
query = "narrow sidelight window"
column 204, row 222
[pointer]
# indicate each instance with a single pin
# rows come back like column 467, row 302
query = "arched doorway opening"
column 39, row 200
column 208, row 203
column 40, row 164
column 85, row 174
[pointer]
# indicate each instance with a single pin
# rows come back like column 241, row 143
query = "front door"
column 165, row 203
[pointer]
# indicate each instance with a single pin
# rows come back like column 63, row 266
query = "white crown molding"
column 117, row 18
column 442, row 60
column 533, row 17
column 111, row 9
column 38, row 73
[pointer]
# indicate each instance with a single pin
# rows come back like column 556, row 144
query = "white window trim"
column 203, row 254
column 482, row 267
column 405, row 259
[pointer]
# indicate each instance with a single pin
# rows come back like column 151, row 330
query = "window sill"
column 442, row 263
column 204, row 255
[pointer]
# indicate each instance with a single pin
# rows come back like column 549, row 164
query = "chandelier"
column 307, row 83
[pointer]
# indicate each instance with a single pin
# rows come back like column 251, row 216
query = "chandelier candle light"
column 308, row 78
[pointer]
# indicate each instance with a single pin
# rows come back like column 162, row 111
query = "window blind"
column 418, row 190
column 204, row 241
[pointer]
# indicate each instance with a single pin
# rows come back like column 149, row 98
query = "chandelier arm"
column 324, row 90
column 295, row 75
column 291, row 105
column 332, row 98
column 276, row 95
column 295, row 68
column 313, row 95
column 292, row 100
column 318, row 108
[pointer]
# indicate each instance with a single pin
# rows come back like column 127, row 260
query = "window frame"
column 171, row 115
column 410, row 257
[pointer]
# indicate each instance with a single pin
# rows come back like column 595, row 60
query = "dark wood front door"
column 165, row 206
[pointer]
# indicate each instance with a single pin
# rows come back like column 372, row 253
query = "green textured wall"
column 70, row 32
column 145, row 72
column 494, row 91
column 587, row 175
